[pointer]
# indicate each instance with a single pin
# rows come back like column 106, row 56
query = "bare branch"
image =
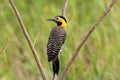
column 86, row 38
column 54, row 77
column 28, row 40
column 64, row 7
column 63, row 14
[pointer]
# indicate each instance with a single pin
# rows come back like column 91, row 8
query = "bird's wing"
column 55, row 42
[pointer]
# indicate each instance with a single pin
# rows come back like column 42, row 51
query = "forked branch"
column 28, row 40
column 86, row 38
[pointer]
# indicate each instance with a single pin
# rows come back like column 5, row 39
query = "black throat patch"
column 59, row 23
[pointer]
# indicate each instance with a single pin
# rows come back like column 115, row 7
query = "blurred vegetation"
column 99, row 58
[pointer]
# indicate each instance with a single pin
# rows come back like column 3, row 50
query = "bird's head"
column 60, row 20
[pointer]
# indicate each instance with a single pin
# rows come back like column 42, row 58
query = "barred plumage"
column 55, row 42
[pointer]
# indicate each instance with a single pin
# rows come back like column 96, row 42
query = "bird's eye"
column 57, row 17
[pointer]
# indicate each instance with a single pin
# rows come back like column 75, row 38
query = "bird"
column 55, row 41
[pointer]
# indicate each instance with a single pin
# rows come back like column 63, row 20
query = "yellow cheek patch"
column 64, row 24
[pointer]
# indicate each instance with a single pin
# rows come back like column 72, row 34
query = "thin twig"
column 85, row 39
column 6, row 44
column 36, row 38
column 64, row 7
column 28, row 39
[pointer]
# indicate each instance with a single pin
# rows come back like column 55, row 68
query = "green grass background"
column 99, row 58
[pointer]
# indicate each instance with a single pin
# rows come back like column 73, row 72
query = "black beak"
column 52, row 19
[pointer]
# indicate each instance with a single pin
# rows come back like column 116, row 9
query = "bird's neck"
column 62, row 24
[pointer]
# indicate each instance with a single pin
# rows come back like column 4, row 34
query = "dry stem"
column 85, row 39
column 64, row 7
column 28, row 40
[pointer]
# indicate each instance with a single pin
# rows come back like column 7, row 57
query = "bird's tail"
column 56, row 66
